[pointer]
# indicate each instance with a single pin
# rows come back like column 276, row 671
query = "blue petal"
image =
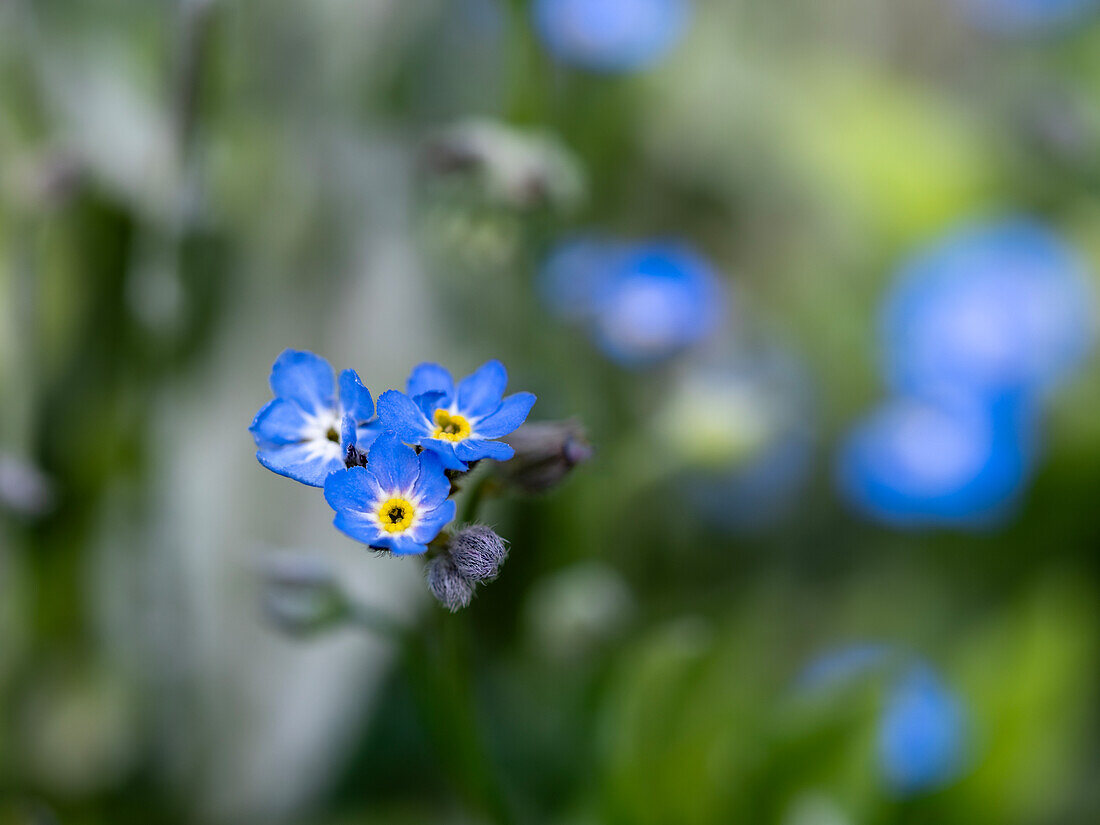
column 446, row 452
column 431, row 523
column 432, row 486
column 297, row 461
column 367, row 434
column 401, row 544
column 279, row 422
column 513, row 412
column 305, row 378
column 431, row 378
column 348, row 433
column 354, row 397
column 394, row 465
column 479, row 394
column 359, row 527
column 354, row 490
column 473, row 449
column 399, row 415
column 429, row 402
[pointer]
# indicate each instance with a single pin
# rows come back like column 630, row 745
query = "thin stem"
column 474, row 497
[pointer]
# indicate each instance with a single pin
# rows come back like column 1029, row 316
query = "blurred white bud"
column 516, row 168
column 24, row 489
column 580, row 607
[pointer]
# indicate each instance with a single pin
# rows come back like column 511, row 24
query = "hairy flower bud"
column 477, row 553
column 545, row 453
column 453, row 590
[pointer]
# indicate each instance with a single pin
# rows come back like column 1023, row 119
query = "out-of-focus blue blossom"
column 302, row 433
column 398, row 502
column 1022, row 16
column 957, row 462
column 643, row 302
column 610, row 35
column 990, row 309
column 459, row 424
column 841, row 665
column 922, row 734
column 573, row 272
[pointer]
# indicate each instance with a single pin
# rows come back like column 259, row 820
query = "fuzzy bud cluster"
column 473, row 555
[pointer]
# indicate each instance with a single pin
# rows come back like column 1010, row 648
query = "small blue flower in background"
column 459, row 424
column 922, row 734
column 573, row 272
column 990, row 308
column 610, row 35
column 842, row 665
column 642, row 302
column 1023, row 16
column 398, row 502
column 917, row 462
column 922, row 729
column 305, row 431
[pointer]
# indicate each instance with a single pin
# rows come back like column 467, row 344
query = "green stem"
column 474, row 498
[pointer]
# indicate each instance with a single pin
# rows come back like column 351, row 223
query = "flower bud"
column 453, row 590
column 301, row 594
column 545, row 453
column 477, row 553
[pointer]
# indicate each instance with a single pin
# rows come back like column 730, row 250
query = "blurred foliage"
column 187, row 187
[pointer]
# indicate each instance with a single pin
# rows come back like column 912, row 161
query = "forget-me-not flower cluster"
column 388, row 476
column 979, row 329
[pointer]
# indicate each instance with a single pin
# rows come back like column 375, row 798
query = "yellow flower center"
column 450, row 426
column 396, row 515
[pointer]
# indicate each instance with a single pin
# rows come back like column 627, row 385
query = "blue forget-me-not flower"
column 922, row 734
column 642, row 302
column 922, row 728
column 458, row 424
column 305, row 431
column 399, row 501
column 610, row 35
column 990, row 308
column 959, row 462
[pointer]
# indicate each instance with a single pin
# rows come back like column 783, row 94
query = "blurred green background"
column 189, row 187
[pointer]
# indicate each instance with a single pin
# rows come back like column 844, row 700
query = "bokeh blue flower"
column 1017, row 17
column 991, row 308
column 922, row 735
column 304, row 432
column 643, row 302
column 610, row 35
column 459, row 424
column 949, row 462
column 922, row 728
column 398, row 502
